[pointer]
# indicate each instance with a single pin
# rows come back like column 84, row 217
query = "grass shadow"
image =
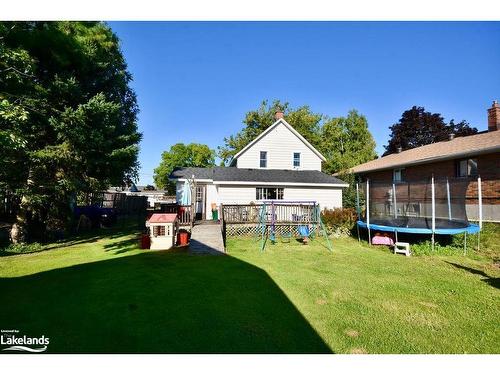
column 93, row 235
column 493, row 281
column 158, row 302
column 123, row 246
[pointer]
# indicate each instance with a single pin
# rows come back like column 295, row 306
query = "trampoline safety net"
column 408, row 206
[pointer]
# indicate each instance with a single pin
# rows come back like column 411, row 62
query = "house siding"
column 211, row 197
column 327, row 197
column 233, row 194
column 280, row 144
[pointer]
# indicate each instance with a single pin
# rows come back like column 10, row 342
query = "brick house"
column 457, row 158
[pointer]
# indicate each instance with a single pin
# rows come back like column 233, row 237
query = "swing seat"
column 286, row 237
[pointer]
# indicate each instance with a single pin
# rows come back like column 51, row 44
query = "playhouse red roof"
column 162, row 218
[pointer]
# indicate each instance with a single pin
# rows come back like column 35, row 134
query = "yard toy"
column 434, row 206
column 287, row 217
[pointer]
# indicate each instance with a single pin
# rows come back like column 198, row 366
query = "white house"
column 279, row 164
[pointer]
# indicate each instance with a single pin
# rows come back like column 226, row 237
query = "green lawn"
column 103, row 294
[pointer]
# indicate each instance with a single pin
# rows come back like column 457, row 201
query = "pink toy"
column 382, row 239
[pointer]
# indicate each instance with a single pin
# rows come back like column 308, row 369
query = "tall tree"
column 256, row 121
column 416, row 128
column 347, row 142
column 67, row 117
column 181, row 155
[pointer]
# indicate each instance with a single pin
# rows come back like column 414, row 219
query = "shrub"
column 23, row 248
column 339, row 221
column 425, row 248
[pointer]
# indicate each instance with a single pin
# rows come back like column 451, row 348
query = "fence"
column 122, row 203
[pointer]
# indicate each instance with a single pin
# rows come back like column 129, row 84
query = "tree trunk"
column 19, row 231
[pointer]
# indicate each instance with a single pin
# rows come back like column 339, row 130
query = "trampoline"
column 436, row 206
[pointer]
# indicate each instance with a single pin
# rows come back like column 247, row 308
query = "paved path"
column 206, row 238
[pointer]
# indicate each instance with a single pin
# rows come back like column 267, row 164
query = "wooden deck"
column 272, row 213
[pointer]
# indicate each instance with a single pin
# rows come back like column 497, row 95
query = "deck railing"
column 278, row 213
column 184, row 213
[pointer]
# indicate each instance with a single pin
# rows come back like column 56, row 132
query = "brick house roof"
column 482, row 143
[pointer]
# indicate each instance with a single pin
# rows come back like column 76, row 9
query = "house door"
column 200, row 201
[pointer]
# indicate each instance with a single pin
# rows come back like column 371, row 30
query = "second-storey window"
column 263, row 159
column 296, row 159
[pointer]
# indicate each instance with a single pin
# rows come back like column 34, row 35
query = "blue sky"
column 196, row 80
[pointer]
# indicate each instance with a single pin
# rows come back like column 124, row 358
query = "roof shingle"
column 459, row 147
column 228, row 174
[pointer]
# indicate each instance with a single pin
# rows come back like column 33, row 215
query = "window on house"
column 467, row 168
column 199, row 193
column 264, row 193
column 263, row 159
column 398, row 175
column 158, row 230
column 296, row 159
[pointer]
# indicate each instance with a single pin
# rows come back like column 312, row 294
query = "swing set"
column 287, row 218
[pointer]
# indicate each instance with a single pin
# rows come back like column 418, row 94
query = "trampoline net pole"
column 368, row 210
column 357, row 201
column 480, row 201
column 448, row 197
column 358, row 210
column 433, row 208
column 395, row 201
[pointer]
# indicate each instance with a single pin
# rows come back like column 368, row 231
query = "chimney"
column 494, row 117
column 451, row 136
column 279, row 114
column 399, row 149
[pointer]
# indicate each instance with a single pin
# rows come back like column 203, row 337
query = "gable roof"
column 481, row 143
column 233, row 175
column 289, row 127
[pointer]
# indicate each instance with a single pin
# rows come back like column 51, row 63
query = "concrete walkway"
column 206, row 238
